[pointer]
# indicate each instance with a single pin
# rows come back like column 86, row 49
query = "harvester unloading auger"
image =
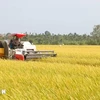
column 24, row 50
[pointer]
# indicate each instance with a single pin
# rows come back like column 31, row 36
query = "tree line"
column 48, row 38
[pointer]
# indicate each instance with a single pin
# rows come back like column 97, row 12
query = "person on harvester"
column 14, row 43
column 11, row 44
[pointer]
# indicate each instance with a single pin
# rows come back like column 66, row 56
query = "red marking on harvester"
column 19, row 35
column 19, row 57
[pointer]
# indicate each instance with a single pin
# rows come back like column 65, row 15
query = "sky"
column 55, row 16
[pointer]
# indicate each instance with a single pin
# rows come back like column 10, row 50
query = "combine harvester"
column 15, row 49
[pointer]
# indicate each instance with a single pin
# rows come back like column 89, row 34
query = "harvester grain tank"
column 22, row 50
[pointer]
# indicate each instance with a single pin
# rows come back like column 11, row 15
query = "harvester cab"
column 15, row 42
column 22, row 50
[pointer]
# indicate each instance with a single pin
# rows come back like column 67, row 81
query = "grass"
column 73, row 75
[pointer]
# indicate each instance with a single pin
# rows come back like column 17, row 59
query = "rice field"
column 73, row 75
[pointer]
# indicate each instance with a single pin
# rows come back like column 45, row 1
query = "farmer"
column 11, row 44
column 14, row 43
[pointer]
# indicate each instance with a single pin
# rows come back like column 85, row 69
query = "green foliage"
column 96, row 31
column 60, row 39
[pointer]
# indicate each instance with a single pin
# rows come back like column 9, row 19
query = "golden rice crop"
column 73, row 75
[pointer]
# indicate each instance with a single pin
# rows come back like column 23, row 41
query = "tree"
column 96, row 31
column 8, row 36
column 96, row 34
